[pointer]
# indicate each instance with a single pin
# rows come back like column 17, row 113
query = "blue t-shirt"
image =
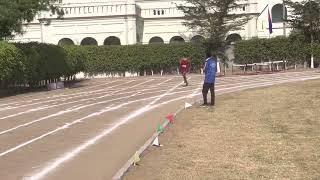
column 210, row 70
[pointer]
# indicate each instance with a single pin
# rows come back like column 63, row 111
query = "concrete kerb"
column 142, row 149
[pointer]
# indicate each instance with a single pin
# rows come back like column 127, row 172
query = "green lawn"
column 267, row 133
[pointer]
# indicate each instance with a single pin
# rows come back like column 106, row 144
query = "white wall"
column 125, row 19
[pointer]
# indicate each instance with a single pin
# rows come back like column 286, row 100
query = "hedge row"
column 36, row 64
column 292, row 49
column 138, row 58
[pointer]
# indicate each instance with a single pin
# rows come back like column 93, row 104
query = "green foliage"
column 214, row 19
column 305, row 16
column 33, row 63
column 11, row 66
column 137, row 58
column 292, row 49
column 15, row 12
column 76, row 57
column 43, row 62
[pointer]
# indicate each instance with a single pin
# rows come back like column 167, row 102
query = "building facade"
column 127, row 22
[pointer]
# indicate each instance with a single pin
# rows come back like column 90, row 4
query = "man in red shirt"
column 184, row 69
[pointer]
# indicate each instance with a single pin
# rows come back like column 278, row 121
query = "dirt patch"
column 269, row 133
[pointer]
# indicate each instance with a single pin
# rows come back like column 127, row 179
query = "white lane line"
column 68, row 125
column 70, row 96
column 88, row 93
column 71, row 154
column 80, row 148
column 49, row 97
column 65, row 99
column 69, row 110
column 56, row 105
column 164, row 82
column 85, row 106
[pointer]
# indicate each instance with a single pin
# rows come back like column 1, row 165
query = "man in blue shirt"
column 210, row 70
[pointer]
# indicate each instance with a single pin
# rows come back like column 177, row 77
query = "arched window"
column 112, row 40
column 89, row 41
column 177, row 39
column 277, row 13
column 233, row 38
column 156, row 40
column 197, row 39
column 65, row 41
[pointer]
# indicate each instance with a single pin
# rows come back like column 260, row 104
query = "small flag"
column 156, row 142
column 270, row 22
column 170, row 118
column 187, row 105
column 160, row 129
column 136, row 159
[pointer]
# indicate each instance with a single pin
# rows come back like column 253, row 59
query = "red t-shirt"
column 184, row 65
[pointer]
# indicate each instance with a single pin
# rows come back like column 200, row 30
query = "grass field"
column 266, row 133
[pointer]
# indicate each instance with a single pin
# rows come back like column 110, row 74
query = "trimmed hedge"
column 137, row 58
column 292, row 49
column 36, row 64
column 11, row 64
column 43, row 62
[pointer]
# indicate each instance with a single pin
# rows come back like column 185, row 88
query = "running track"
column 91, row 131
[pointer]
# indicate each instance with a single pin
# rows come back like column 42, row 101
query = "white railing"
column 161, row 12
column 98, row 10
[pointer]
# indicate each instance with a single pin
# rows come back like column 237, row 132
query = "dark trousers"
column 205, row 90
column 184, row 75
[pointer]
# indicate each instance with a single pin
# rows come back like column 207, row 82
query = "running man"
column 184, row 69
column 210, row 70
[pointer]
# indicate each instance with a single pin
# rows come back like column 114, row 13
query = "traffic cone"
column 187, row 105
column 156, row 142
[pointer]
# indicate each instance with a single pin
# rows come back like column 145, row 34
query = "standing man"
column 184, row 69
column 210, row 70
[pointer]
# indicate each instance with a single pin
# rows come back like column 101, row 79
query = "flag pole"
column 270, row 23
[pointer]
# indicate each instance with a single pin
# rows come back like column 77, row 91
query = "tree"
column 305, row 16
column 13, row 13
column 214, row 19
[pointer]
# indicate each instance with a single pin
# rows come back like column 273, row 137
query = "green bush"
column 11, row 66
column 43, row 62
column 37, row 64
column 76, row 59
column 137, row 58
column 292, row 49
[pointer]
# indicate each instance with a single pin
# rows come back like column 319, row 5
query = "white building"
column 125, row 22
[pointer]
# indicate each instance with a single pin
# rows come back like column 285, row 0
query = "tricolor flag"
column 270, row 22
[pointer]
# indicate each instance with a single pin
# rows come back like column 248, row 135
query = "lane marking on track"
column 90, row 93
column 49, row 97
column 70, row 96
column 67, row 125
column 92, row 141
column 81, row 107
column 108, row 94
column 71, row 154
column 63, row 100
